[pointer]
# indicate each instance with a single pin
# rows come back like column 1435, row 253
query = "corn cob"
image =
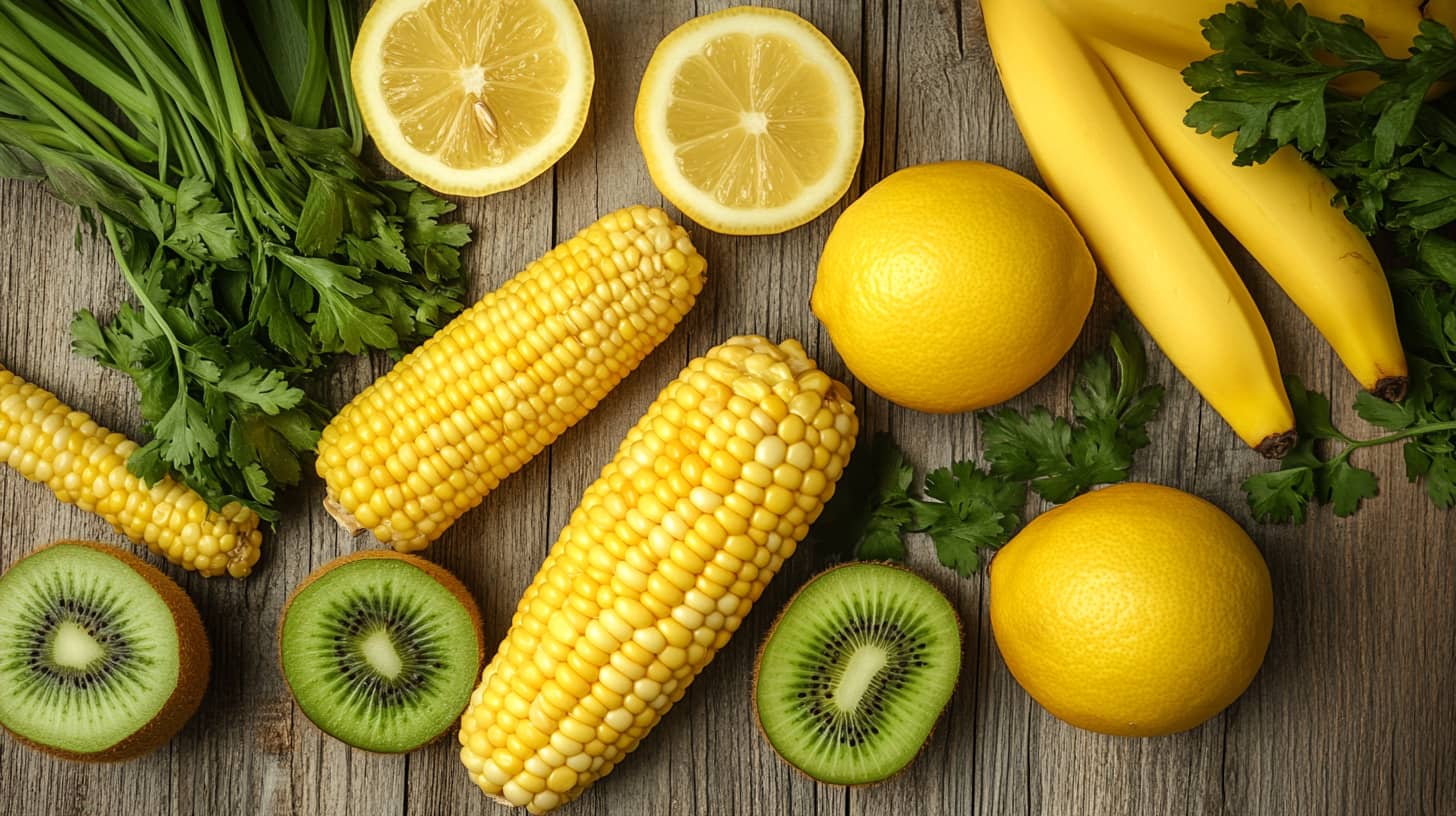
column 85, row 464
column 471, row 406
column 669, row 549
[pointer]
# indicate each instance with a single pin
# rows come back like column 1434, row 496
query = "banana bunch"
column 1170, row 31
column 1095, row 93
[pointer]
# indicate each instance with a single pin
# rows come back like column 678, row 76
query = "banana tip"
column 1391, row 389
column 1276, row 445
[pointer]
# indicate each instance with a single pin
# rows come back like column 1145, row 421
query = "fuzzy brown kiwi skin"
column 758, row 661
column 441, row 575
column 194, row 663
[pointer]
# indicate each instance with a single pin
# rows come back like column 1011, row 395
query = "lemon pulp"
column 473, row 96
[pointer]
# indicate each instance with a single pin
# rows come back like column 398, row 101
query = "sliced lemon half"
column 751, row 120
column 472, row 97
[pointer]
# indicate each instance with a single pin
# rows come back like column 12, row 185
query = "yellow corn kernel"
column 667, row 590
column 84, row 464
column 427, row 441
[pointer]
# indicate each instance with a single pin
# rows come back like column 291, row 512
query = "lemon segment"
column 750, row 120
column 473, row 97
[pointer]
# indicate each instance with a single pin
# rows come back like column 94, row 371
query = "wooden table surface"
column 1353, row 712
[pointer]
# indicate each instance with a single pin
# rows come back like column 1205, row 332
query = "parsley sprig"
column 967, row 510
column 1312, row 474
column 1392, row 154
column 255, row 241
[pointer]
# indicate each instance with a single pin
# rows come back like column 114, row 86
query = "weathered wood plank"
column 1351, row 714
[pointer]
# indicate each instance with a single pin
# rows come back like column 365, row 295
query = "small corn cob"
column 85, row 464
column 669, row 549
column 471, row 406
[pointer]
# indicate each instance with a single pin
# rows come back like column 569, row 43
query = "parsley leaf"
column 1060, row 459
column 974, row 511
column 1305, row 476
column 966, row 510
column 1270, row 81
column 1280, row 495
column 1392, row 156
column 266, row 389
column 1347, row 485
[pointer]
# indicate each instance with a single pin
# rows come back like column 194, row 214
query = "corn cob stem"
column 668, row 551
column 85, row 464
column 471, row 406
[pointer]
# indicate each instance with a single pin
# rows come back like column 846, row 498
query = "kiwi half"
column 856, row 672
column 102, row 657
column 381, row 650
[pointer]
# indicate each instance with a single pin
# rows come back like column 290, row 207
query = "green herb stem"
column 84, row 60
column 1352, row 445
column 112, row 138
column 150, row 308
column 339, row 78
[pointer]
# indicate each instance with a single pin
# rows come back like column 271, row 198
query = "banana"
column 1144, row 230
column 1283, row 213
column 1442, row 11
column 1170, row 31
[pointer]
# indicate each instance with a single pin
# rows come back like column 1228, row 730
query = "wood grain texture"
column 1353, row 712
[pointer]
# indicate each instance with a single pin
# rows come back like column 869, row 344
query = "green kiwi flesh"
column 101, row 656
column 856, row 672
column 381, row 650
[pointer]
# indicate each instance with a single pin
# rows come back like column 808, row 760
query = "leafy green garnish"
column 967, row 510
column 871, row 505
column 1309, row 474
column 256, row 242
column 1392, row 154
column 1061, row 458
column 973, row 512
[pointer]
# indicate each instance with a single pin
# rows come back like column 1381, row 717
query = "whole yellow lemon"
column 1135, row 610
column 952, row 286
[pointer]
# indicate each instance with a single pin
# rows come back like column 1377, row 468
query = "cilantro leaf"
column 1112, row 405
column 1280, row 495
column 1347, row 486
column 973, row 511
column 266, row 389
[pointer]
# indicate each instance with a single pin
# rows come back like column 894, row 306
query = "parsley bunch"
column 1392, row 154
column 966, row 509
column 224, row 173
